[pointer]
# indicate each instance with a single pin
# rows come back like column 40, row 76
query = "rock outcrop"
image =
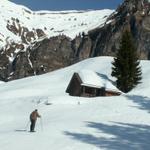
column 133, row 15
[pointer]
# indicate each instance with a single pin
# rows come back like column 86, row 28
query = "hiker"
column 33, row 117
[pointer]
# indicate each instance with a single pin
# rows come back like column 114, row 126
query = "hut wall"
column 112, row 93
column 74, row 88
column 92, row 92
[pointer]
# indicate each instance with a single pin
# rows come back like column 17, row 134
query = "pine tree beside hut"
column 126, row 66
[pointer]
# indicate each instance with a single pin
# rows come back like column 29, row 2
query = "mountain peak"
column 8, row 5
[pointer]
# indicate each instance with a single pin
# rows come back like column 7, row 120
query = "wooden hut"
column 87, row 83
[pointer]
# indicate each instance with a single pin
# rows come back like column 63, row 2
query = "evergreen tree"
column 126, row 64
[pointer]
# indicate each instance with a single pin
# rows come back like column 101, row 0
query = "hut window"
column 89, row 90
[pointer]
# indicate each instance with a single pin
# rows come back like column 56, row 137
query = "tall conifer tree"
column 126, row 66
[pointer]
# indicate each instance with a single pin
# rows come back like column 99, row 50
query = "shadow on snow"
column 105, row 77
column 142, row 102
column 124, row 136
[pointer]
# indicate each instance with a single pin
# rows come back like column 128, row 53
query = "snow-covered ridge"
column 52, row 23
column 42, row 84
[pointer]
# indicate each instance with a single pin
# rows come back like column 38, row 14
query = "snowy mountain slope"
column 20, row 24
column 33, row 43
column 112, row 123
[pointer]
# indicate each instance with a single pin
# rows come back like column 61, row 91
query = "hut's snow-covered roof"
column 92, row 79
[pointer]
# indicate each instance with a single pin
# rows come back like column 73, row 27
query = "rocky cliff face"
column 36, row 53
column 133, row 15
column 45, row 56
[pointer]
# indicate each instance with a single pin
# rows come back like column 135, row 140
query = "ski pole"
column 26, row 127
column 41, row 124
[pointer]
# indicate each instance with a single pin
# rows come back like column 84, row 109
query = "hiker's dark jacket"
column 34, row 115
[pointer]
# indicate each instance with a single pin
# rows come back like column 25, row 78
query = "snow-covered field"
column 102, row 123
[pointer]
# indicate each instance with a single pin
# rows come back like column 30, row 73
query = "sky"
column 68, row 4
